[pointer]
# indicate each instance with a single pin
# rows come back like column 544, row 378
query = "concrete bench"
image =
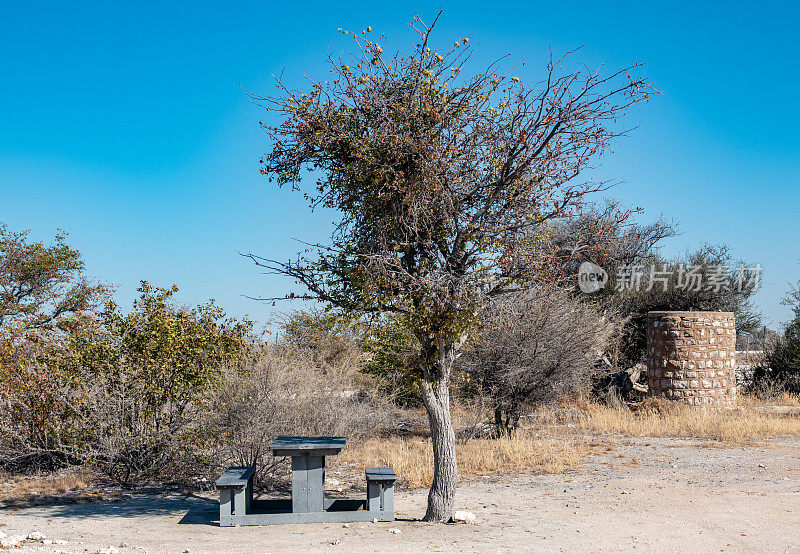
column 380, row 490
column 235, row 494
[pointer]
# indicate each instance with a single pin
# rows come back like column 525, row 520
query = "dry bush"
column 37, row 424
column 769, row 390
column 284, row 390
column 123, row 392
column 102, row 420
column 535, row 346
column 412, row 458
column 329, row 336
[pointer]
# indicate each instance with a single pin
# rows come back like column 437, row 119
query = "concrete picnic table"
column 308, row 468
column 308, row 503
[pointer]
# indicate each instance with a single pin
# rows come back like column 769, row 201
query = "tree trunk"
column 436, row 397
column 498, row 418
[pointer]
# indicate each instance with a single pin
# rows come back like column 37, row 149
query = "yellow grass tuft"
column 412, row 457
column 16, row 488
column 778, row 399
column 733, row 426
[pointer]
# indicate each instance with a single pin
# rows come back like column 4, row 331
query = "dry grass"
column 75, row 485
column 412, row 457
column 733, row 426
column 556, row 438
column 778, row 399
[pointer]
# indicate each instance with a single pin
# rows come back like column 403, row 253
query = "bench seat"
column 380, row 489
column 380, row 474
column 235, row 494
column 235, row 477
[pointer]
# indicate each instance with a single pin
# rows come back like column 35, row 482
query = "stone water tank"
column 691, row 357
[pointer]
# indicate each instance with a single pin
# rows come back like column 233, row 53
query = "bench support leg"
column 388, row 499
column 240, row 502
column 380, row 496
column 373, row 496
column 225, row 508
column 248, row 498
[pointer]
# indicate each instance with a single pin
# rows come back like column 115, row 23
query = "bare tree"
column 440, row 179
column 606, row 235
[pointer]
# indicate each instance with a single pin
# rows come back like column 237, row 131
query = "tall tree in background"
column 625, row 249
column 442, row 181
column 41, row 284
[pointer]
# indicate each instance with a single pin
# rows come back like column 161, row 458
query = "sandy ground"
column 649, row 495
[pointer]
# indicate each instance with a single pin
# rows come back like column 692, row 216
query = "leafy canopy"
column 41, row 285
column 441, row 179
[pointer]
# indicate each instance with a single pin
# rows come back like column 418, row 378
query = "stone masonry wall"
column 691, row 357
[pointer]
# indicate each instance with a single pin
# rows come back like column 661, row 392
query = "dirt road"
column 644, row 495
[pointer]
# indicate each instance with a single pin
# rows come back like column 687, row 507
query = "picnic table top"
column 315, row 446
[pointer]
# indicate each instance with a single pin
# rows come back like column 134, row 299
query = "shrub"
column 329, row 337
column 534, row 346
column 782, row 367
column 392, row 349
column 45, row 298
column 41, row 407
column 123, row 392
column 281, row 389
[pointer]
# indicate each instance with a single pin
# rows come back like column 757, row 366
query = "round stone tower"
column 691, row 357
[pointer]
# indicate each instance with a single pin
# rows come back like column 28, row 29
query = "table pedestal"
column 308, row 483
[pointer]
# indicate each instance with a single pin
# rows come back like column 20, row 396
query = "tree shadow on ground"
column 192, row 509
column 195, row 509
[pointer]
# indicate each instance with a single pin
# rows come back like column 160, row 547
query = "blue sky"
column 127, row 125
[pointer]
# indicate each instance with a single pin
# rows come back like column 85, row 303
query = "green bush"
column 783, row 358
column 124, row 392
column 392, row 348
